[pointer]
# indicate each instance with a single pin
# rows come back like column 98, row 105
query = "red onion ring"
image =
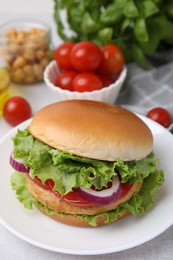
column 18, row 165
column 102, row 197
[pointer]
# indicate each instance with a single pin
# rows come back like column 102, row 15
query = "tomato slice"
column 74, row 199
column 42, row 185
column 125, row 188
column 70, row 197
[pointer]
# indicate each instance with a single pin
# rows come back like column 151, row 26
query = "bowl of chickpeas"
column 25, row 45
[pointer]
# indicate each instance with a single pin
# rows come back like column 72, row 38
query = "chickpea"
column 40, row 43
column 14, row 50
column 28, row 70
column 17, row 75
column 40, row 54
column 38, row 71
column 49, row 54
column 17, row 41
column 19, row 62
column 27, row 53
column 9, row 59
column 30, row 45
column 44, row 62
column 20, row 38
column 10, row 33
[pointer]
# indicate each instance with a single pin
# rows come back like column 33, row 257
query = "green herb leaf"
column 130, row 10
column 154, row 38
column 164, row 26
column 88, row 24
column 169, row 10
column 125, row 24
column 139, row 56
column 106, row 34
column 57, row 17
column 140, row 30
column 149, row 8
column 75, row 17
column 112, row 14
column 131, row 22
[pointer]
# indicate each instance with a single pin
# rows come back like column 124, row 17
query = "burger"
column 85, row 163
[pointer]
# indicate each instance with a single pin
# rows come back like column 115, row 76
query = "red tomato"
column 70, row 197
column 73, row 199
column 125, row 188
column 16, row 110
column 86, row 56
column 106, row 81
column 62, row 55
column 113, row 60
column 45, row 186
column 64, row 79
column 86, row 82
column 161, row 116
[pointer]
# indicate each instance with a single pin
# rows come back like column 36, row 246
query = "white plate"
column 37, row 229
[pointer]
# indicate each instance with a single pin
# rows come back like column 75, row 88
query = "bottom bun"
column 73, row 220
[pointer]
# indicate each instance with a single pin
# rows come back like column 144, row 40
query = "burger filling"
column 82, row 181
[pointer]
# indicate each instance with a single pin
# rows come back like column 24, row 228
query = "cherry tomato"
column 161, row 116
column 86, row 56
column 62, row 55
column 86, row 82
column 106, row 81
column 16, row 110
column 64, row 79
column 113, row 60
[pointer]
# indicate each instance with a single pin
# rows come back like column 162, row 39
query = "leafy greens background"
column 139, row 27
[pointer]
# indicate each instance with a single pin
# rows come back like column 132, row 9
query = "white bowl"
column 107, row 94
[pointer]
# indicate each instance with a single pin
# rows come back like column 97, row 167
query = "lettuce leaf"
column 138, row 204
column 69, row 171
column 18, row 184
